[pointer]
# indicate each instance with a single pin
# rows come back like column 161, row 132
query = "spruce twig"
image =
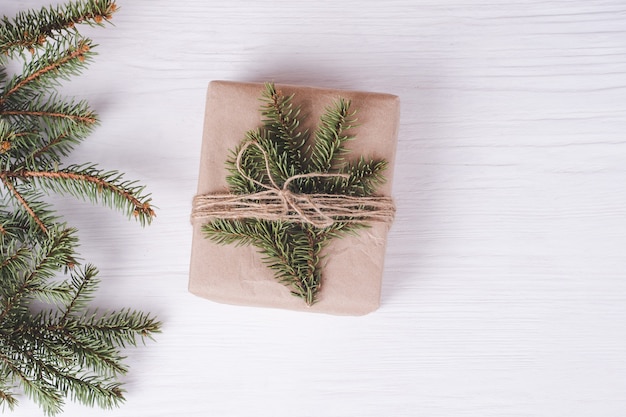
column 65, row 348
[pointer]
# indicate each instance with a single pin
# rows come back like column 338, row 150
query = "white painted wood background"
column 504, row 291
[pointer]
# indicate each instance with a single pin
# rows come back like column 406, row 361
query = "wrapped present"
column 252, row 212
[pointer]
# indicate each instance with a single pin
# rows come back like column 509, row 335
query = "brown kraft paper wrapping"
column 352, row 266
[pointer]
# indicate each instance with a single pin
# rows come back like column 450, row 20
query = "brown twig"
column 84, row 119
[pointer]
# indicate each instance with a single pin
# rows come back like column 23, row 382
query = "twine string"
column 280, row 203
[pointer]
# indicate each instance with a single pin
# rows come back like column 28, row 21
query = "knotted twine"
column 280, row 203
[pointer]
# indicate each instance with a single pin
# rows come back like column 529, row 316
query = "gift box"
column 352, row 265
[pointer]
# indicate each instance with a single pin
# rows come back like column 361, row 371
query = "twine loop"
column 280, row 203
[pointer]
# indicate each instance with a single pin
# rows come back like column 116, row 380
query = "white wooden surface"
column 504, row 293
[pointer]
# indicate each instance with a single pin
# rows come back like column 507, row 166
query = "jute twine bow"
column 280, row 203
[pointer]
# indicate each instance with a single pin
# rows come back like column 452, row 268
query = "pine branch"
column 280, row 119
column 55, row 340
column 31, row 29
column 14, row 261
column 77, row 114
column 34, row 149
column 124, row 328
column 44, row 383
column 86, row 181
column 55, row 143
column 19, row 231
column 20, row 198
column 37, row 389
column 7, row 398
column 20, row 225
column 84, row 344
column 364, row 178
column 225, row 232
column 54, row 64
column 280, row 242
column 103, row 359
column 57, row 252
column 83, row 285
column 68, row 115
column 63, row 349
column 72, row 379
column 91, row 390
column 330, row 137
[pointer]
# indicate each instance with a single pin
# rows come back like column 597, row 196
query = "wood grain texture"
column 504, row 291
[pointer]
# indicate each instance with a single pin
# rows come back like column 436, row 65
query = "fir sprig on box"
column 282, row 164
column 61, row 348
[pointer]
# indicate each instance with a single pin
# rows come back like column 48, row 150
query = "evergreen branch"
column 87, row 181
column 119, row 328
column 279, row 251
column 30, row 30
column 274, row 241
column 49, row 67
column 53, row 293
column 20, row 226
column 6, row 134
column 42, row 113
column 50, row 293
column 46, row 149
column 364, row 178
column 288, row 249
column 16, row 227
column 55, row 127
column 294, row 257
column 7, row 182
column 74, row 381
column 13, row 143
column 85, row 388
column 95, row 355
column 331, row 136
column 84, row 351
column 35, row 388
column 91, row 390
column 64, row 350
column 71, row 113
column 7, row 398
column 54, row 141
column 81, row 353
column 84, row 285
column 313, row 276
column 57, row 251
column 281, row 120
column 225, row 232
column 57, row 143
column 13, row 263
